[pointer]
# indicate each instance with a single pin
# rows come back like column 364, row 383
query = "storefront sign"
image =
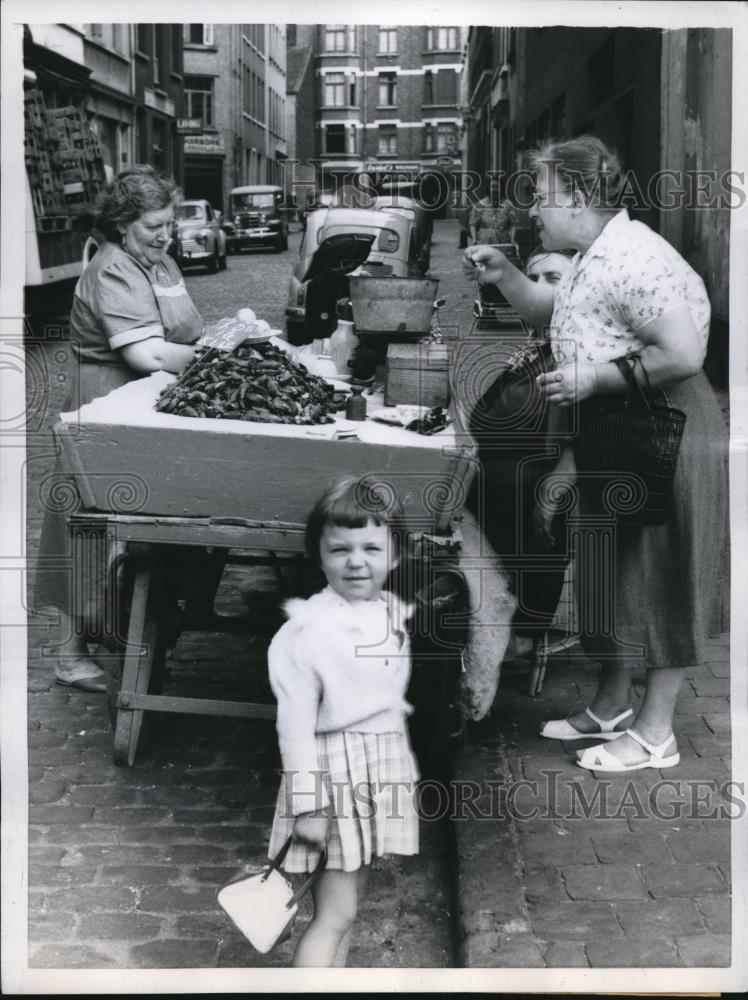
column 205, row 145
column 189, row 126
column 154, row 100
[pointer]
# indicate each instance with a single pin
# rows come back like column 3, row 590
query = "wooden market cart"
column 154, row 481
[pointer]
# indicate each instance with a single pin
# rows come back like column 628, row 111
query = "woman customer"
column 510, row 426
column 492, row 220
column 629, row 293
column 131, row 315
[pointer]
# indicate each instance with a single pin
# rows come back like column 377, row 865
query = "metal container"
column 393, row 305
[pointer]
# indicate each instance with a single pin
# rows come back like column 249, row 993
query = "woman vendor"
column 628, row 295
column 131, row 315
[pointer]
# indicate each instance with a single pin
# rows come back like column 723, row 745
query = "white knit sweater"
column 335, row 667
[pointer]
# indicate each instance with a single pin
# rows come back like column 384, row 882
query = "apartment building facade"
column 386, row 99
column 234, row 119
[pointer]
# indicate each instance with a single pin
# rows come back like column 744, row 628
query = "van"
column 336, row 243
column 257, row 218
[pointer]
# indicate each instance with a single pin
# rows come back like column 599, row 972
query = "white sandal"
column 562, row 729
column 599, row 758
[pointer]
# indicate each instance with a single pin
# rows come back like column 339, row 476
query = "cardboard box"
column 417, row 374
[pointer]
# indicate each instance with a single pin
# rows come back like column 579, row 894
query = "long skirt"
column 370, row 779
column 652, row 595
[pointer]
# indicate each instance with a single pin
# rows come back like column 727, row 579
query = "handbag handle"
column 277, row 861
column 311, row 880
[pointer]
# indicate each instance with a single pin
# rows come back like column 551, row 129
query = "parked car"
column 336, row 243
column 422, row 225
column 198, row 236
column 257, row 218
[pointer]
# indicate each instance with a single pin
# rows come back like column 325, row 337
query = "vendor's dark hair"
column 584, row 164
column 352, row 502
column 133, row 192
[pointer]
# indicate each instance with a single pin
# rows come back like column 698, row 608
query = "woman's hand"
column 569, row 384
column 312, row 829
column 532, row 300
column 486, row 263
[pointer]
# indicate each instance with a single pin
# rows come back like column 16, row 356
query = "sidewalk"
column 559, row 868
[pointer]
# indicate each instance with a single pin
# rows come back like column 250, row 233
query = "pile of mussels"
column 260, row 383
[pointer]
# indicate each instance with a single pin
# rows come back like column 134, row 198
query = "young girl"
column 339, row 668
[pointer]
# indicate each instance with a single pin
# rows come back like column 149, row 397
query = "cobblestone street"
column 124, row 863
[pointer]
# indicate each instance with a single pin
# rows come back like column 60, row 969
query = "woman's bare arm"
column 673, row 351
column 156, row 354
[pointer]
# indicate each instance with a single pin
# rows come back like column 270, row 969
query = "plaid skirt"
column 371, row 781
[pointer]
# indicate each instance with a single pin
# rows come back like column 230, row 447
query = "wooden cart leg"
column 136, row 669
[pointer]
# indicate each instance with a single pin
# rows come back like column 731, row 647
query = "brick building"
column 386, row 98
column 235, row 93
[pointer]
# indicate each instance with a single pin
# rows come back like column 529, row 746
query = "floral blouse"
column 627, row 278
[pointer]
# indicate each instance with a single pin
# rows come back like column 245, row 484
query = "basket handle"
column 626, row 367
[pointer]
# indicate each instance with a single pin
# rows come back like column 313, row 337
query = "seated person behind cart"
column 513, row 410
column 131, row 316
column 339, row 668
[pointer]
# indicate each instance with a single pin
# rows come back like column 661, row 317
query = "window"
column 176, row 49
column 198, row 93
column 334, row 90
column 159, row 144
column 335, row 138
column 142, row 37
column 428, row 138
column 96, row 31
column 387, row 145
column 387, row 40
column 428, row 87
column 445, row 138
column 442, row 38
column 387, row 90
column 337, row 38
column 446, row 86
column 198, row 34
column 160, row 57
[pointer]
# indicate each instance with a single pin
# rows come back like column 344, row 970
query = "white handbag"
column 263, row 904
